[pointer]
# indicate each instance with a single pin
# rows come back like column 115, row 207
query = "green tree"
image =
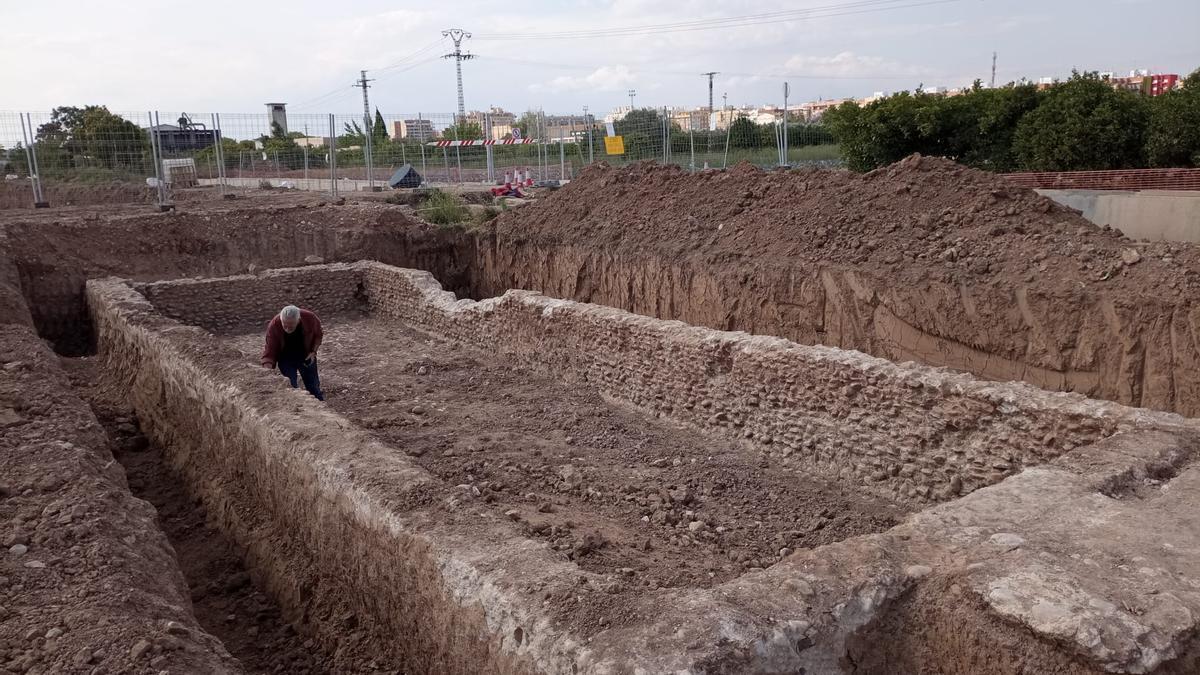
column 464, row 130
column 1083, row 124
column 642, row 130
column 743, row 133
column 527, row 123
column 379, row 131
column 90, row 136
column 1173, row 139
column 352, row 135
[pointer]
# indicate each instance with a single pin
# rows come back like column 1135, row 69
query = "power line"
column 825, row 11
column 657, row 71
column 405, row 59
column 404, row 64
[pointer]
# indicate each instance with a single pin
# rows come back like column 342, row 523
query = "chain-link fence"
column 160, row 157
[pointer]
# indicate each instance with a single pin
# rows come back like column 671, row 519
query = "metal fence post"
column 691, row 145
column 458, row 153
column 219, row 153
column 590, row 124
column 332, row 157
column 158, row 178
column 421, row 144
column 31, row 163
column 728, row 129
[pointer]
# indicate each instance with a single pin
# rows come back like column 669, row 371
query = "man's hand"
column 311, row 356
column 268, row 366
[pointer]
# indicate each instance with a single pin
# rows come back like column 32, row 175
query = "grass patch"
column 443, row 208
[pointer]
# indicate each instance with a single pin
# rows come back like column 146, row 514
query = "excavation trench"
column 228, row 602
column 492, row 482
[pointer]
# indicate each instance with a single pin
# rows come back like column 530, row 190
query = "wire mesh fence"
column 161, row 156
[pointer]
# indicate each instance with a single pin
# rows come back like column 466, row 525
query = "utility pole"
column 588, row 121
column 711, row 112
column 362, row 82
column 993, row 70
column 632, row 93
column 710, row 89
column 457, row 35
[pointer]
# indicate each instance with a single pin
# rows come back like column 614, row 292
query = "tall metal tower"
column 710, row 91
column 993, row 70
column 457, row 35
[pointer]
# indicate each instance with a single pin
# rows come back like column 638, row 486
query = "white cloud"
column 604, row 78
column 849, row 64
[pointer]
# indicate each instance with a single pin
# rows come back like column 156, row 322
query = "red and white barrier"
column 503, row 141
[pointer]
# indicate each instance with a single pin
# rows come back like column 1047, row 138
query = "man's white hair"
column 289, row 313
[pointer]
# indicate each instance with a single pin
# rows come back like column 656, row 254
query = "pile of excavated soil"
column 920, row 219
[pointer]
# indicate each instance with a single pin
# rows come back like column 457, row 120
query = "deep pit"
column 529, row 484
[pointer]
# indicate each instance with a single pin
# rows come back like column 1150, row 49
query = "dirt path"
column 648, row 503
column 226, row 601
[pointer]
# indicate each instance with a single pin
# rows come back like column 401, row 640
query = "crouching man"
column 293, row 337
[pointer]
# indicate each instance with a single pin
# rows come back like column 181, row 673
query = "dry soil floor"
column 649, row 503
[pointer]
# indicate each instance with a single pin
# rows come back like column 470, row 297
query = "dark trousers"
column 307, row 372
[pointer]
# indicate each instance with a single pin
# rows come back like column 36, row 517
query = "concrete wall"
column 909, row 432
column 1172, row 215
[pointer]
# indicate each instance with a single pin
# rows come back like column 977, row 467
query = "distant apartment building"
column 692, row 120
column 618, row 113
column 566, row 127
column 1144, row 82
column 415, row 130
column 499, row 120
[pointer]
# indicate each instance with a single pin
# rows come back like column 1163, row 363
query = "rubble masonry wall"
column 904, row 430
column 278, row 472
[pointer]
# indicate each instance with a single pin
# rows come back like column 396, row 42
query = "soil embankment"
column 925, row 261
column 52, row 258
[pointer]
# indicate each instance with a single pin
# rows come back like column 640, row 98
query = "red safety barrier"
column 1129, row 179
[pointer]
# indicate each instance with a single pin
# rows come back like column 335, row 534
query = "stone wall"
column 333, row 523
column 90, row 583
column 908, row 431
column 328, row 516
column 247, row 300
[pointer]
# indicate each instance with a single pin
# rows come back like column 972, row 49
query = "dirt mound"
column 921, row 218
column 921, row 261
column 19, row 194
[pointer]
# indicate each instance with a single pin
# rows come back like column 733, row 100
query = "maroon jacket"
column 312, row 336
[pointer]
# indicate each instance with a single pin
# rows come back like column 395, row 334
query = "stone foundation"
column 1068, row 558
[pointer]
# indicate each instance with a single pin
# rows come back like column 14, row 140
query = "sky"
column 232, row 57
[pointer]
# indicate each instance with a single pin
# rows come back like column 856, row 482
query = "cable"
column 824, row 11
column 342, row 92
column 419, row 52
column 581, row 68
